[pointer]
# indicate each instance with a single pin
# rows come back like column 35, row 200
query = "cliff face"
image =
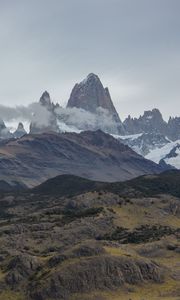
column 150, row 122
column 91, row 95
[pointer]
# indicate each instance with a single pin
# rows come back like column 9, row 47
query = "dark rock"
column 20, row 131
column 20, row 268
column 90, row 95
column 97, row 273
column 88, row 250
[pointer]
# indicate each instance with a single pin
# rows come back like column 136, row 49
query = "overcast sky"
column 133, row 45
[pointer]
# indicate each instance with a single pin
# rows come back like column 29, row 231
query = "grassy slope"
column 130, row 213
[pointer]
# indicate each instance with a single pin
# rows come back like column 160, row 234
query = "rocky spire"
column 150, row 122
column 20, row 131
column 90, row 94
column 45, row 100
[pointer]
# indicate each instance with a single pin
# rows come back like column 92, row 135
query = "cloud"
column 81, row 119
column 34, row 112
column 68, row 119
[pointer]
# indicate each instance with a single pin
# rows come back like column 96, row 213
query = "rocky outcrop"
column 152, row 122
column 149, row 122
column 20, row 131
column 51, row 124
column 174, row 128
column 4, row 132
column 91, row 95
column 46, row 101
column 146, row 142
column 98, row 273
column 20, row 268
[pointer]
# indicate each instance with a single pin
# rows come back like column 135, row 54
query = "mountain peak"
column 90, row 81
column 20, row 131
column 2, row 125
column 20, row 126
column 90, row 94
column 155, row 112
column 45, row 99
column 92, row 76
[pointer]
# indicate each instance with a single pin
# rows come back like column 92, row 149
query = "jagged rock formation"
column 4, row 132
column 51, row 124
column 20, row 131
column 45, row 100
column 146, row 142
column 91, row 95
column 150, row 122
column 108, row 272
column 152, row 137
column 174, row 128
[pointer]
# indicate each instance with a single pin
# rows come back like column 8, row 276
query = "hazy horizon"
column 133, row 46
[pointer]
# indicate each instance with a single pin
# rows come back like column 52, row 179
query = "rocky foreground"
column 71, row 238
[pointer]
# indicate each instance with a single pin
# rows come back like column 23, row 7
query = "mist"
column 80, row 119
column 35, row 113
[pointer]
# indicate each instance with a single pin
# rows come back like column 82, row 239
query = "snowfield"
column 165, row 153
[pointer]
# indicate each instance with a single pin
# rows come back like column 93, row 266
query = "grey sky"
column 133, row 45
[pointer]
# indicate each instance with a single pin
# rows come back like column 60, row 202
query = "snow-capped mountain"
column 90, row 107
column 169, row 154
column 4, row 131
column 20, row 131
column 150, row 122
column 144, row 143
column 9, row 132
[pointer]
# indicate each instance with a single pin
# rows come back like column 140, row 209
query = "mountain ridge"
column 95, row 155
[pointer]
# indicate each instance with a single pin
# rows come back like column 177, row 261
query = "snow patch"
column 127, row 137
column 157, row 154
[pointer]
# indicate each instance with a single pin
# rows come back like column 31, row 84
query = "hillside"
column 35, row 158
column 110, row 241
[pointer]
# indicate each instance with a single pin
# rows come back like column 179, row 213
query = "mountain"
column 174, row 128
column 152, row 122
column 51, row 123
column 4, row 132
column 20, row 131
column 169, row 154
column 90, row 108
column 90, row 95
column 94, row 155
column 149, row 122
column 152, row 137
column 109, row 241
column 45, row 100
column 144, row 143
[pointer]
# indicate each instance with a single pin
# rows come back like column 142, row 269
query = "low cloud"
column 68, row 119
column 34, row 112
column 84, row 120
